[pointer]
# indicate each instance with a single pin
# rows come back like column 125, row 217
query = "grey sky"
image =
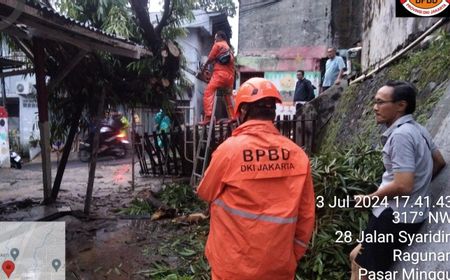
column 155, row 6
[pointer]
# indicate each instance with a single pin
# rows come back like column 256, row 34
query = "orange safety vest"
column 218, row 49
column 223, row 76
column 260, row 189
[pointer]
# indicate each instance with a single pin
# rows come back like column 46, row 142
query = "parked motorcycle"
column 15, row 159
column 113, row 142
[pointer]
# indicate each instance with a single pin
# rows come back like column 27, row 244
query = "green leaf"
column 187, row 252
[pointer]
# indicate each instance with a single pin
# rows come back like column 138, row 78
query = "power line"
column 256, row 3
column 261, row 5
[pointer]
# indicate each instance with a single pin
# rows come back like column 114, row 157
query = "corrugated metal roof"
column 49, row 11
column 6, row 63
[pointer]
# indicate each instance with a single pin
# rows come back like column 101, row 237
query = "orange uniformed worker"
column 223, row 73
column 261, row 194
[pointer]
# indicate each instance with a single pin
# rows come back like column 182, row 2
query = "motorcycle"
column 15, row 160
column 113, row 142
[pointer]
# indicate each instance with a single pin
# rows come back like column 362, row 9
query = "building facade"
column 380, row 20
column 196, row 46
column 20, row 97
column 276, row 38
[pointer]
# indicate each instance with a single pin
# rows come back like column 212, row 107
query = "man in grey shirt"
column 411, row 160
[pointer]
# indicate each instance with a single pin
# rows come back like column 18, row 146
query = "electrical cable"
column 263, row 5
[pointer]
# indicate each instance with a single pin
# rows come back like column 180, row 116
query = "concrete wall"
column 28, row 119
column 27, row 106
column 196, row 47
column 346, row 22
column 290, row 34
column 384, row 33
column 194, row 51
column 21, row 122
column 286, row 23
column 283, row 36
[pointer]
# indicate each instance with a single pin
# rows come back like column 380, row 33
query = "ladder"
column 203, row 150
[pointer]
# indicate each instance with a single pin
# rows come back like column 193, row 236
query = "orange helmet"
column 253, row 90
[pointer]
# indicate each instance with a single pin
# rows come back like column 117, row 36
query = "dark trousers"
column 376, row 256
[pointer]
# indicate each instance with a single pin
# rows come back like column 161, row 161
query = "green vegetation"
column 426, row 68
column 182, row 198
column 357, row 169
column 138, row 207
column 176, row 196
column 425, row 108
column 340, row 174
column 334, row 128
column 152, row 81
column 346, row 166
column 186, row 245
column 189, row 250
column 426, row 65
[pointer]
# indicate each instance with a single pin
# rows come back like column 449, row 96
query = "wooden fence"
column 301, row 131
column 174, row 153
column 159, row 154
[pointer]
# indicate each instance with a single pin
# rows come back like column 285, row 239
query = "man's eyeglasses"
column 379, row 102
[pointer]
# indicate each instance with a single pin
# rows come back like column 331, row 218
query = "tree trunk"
column 66, row 153
column 94, row 152
column 42, row 100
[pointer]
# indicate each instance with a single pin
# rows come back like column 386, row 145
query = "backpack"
column 224, row 58
column 312, row 95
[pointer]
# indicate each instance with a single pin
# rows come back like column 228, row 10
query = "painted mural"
column 285, row 82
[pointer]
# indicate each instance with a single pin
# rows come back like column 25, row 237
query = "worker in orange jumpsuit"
column 223, row 73
column 261, row 195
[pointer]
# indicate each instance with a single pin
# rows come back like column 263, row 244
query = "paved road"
column 75, row 162
column 18, row 184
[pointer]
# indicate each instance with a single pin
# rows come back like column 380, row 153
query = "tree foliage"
column 151, row 81
column 226, row 6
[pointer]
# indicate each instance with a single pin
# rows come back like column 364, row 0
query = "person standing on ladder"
column 260, row 190
column 222, row 57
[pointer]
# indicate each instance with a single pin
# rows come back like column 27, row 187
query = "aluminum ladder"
column 203, row 150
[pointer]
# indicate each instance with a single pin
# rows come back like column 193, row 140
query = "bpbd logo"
column 423, row 8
